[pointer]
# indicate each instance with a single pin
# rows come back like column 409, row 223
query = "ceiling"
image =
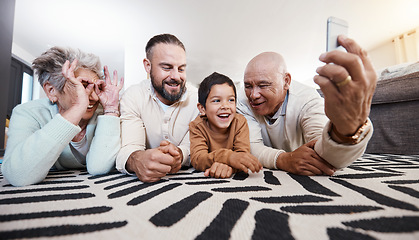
column 219, row 35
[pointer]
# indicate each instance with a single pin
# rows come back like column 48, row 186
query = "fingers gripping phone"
column 335, row 27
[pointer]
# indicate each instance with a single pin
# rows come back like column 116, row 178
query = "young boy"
column 219, row 136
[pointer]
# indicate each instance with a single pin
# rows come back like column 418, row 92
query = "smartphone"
column 335, row 27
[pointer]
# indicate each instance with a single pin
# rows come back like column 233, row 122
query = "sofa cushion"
column 395, row 128
column 393, row 111
column 398, row 70
column 397, row 89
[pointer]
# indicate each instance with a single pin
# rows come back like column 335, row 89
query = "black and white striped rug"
column 377, row 197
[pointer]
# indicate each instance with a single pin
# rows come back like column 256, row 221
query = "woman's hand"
column 75, row 99
column 108, row 92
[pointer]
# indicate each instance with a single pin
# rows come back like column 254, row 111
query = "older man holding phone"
column 292, row 128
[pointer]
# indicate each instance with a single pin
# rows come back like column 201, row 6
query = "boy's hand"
column 243, row 161
column 219, row 170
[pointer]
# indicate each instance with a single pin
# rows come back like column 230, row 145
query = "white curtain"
column 407, row 47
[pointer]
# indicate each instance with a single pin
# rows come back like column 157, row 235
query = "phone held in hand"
column 335, row 27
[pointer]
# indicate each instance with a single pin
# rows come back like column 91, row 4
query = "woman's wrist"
column 74, row 114
column 111, row 110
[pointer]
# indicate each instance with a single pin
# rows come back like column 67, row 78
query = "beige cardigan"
column 302, row 120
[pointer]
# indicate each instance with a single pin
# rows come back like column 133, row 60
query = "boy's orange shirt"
column 208, row 146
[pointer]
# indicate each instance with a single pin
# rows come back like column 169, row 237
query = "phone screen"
column 335, row 27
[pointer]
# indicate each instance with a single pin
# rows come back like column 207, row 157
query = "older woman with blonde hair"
column 69, row 129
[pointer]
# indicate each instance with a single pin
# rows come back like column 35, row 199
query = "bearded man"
column 156, row 112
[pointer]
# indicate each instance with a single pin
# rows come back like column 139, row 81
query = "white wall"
column 22, row 54
column 383, row 55
column 392, row 52
column 133, row 60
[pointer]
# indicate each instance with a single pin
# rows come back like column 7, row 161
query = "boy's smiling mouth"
column 223, row 115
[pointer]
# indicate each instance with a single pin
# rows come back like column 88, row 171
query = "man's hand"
column 347, row 102
column 304, row 161
column 243, row 161
column 175, row 152
column 219, row 170
column 150, row 165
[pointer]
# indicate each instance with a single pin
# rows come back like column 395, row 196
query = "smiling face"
column 64, row 100
column 266, row 83
column 167, row 72
column 220, row 107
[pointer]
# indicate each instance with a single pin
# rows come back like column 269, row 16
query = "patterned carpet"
column 377, row 197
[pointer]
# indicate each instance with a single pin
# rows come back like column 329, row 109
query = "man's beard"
column 164, row 93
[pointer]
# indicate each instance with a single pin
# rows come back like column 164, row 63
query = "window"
column 27, row 88
column 20, row 85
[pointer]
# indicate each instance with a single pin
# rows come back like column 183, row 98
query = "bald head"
column 267, row 61
column 266, row 82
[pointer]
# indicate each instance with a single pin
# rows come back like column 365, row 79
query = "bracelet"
column 359, row 135
column 112, row 111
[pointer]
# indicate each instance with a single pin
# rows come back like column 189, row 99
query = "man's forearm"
column 340, row 155
column 280, row 160
column 266, row 155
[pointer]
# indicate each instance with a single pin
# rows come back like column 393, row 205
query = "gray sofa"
column 395, row 111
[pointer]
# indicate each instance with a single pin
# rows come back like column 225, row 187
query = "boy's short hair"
column 206, row 85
